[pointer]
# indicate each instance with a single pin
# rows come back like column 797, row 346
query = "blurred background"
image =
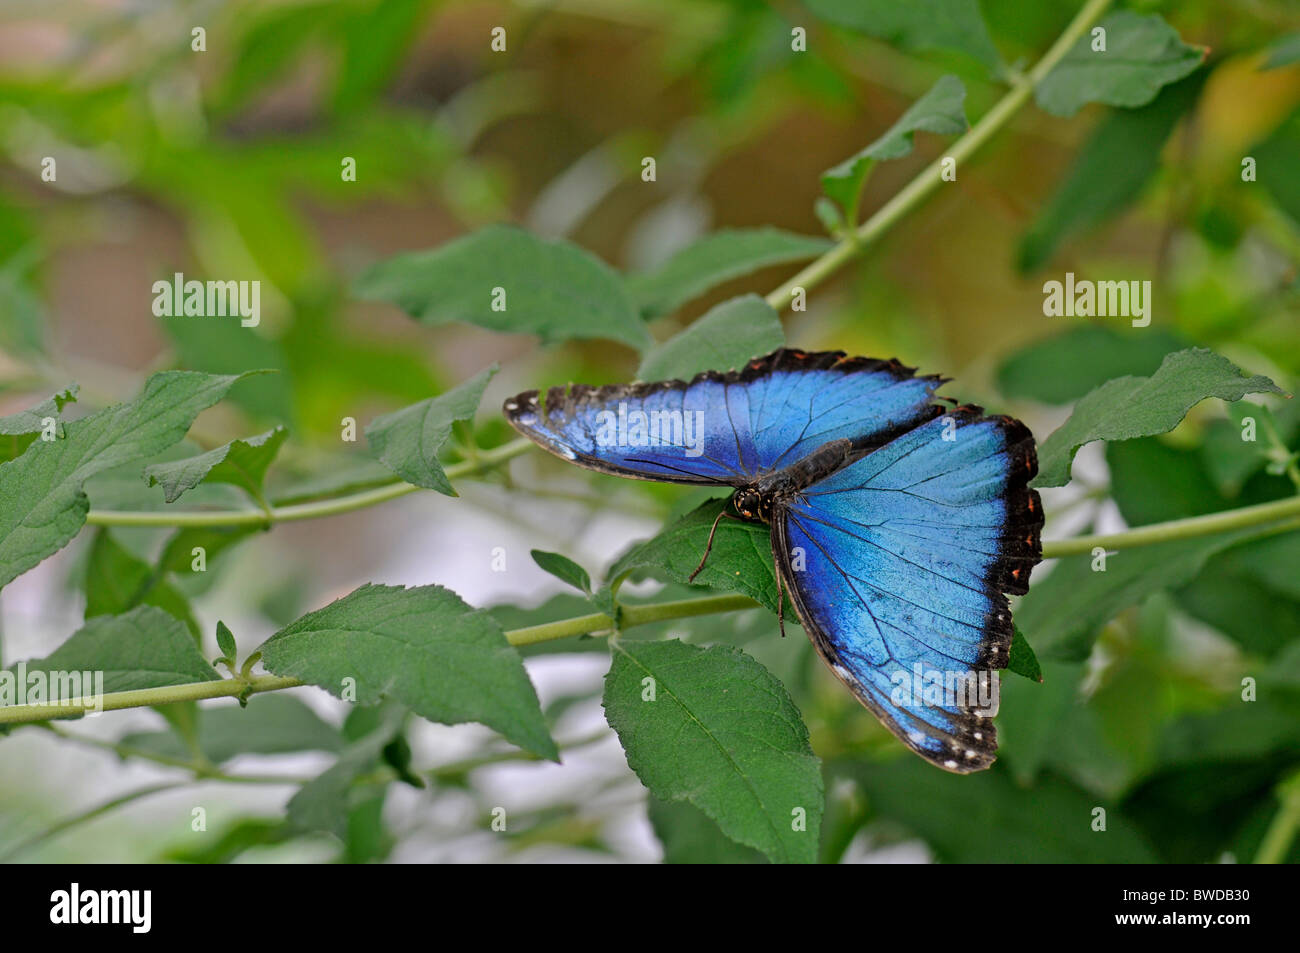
column 226, row 163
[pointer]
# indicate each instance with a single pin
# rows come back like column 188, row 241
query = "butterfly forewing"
column 726, row 429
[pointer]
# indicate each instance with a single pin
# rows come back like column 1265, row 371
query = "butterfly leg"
column 708, row 547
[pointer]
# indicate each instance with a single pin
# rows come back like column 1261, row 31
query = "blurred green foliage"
column 229, row 163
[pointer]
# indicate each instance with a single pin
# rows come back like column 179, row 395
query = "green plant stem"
column 930, row 178
column 235, row 687
column 1281, row 832
column 486, row 460
column 1262, row 514
column 1277, row 516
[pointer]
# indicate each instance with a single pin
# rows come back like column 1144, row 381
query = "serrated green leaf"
column 689, row 836
column 723, row 339
column 241, row 463
column 422, row 647
column 716, row 258
column 940, row 111
column 1130, row 407
column 270, row 724
column 407, row 441
column 564, row 569
column 42, row 504
column 741, row 559
column 916, row 25
column 117, row 580
column 143, row 648
column 32, row 420
column 1109, row 172
column 1142, row 55
column 226, row 642
column 1064, row 367
column 552, row 289
column 722, row 734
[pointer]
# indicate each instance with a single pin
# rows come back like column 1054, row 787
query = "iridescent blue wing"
column 898, row 565
column 727, row 428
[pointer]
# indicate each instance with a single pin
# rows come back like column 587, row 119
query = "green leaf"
column 271, row 44
column 1129, row 407
column 722, row 733
column 241, row 463
column 32, row 420
column 407, row 441
column 940, row 111
column 422, row 647
column 376, row 39
column 1142, row 55
column 1138, row 465
column 741, row 559
column 42, row 504
column 178, row 555
column 1284, row 52
column 552, row 289
column 1241, row 606
column 1031, row 717
column 723, row 339
column 916, row 25
column 716, row 258
column 1109, row 172
column 232, row 842
column 564, row 569
column 1275, row 165
column 1021, row 658
column 988, row 818
column 325, row 802
column 270, row 724
column 1230, row 460
column 688, row 836
column 117, row 580
column 1064, row 367
column 226, row 642
column 143, row 648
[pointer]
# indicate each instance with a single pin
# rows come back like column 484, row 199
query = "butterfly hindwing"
column 899, row 564
column 724, row 429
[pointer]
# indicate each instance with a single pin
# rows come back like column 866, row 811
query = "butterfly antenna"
column 708, row 547
column 780, row 600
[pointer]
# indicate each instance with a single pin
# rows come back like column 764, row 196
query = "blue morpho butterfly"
column 898, row 523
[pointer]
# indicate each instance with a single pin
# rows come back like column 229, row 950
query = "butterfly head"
column 751, row 504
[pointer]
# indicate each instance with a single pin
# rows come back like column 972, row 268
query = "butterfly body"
column 898, row 523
